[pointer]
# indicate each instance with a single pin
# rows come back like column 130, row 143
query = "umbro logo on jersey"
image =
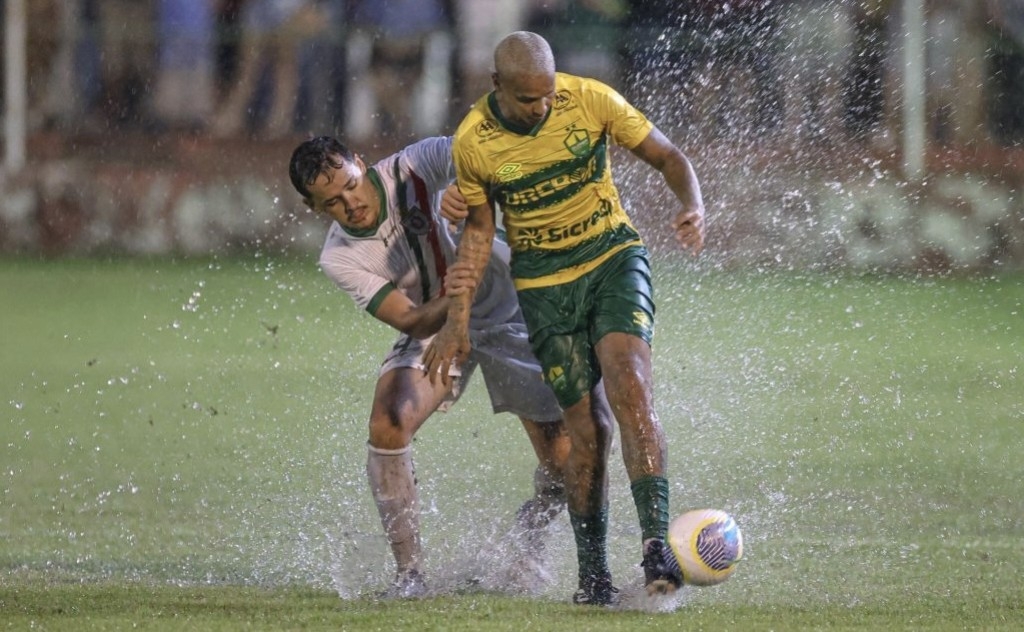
column 508, row 172
column 562, row 99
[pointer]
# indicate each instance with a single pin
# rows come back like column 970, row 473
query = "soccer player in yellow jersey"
column 537, row 149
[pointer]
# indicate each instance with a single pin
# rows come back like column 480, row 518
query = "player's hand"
column 453, row 205
column 450, row 345
column 460, row 279
column 689, row 227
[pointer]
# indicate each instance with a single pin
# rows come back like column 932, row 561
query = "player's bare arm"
column 452, row 342
column 657, row 151
column 422, row 321
column 417, row 321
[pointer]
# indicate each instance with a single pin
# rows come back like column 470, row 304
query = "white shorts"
column 511, row 372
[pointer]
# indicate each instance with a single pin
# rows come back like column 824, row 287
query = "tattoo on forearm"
column 475, row 248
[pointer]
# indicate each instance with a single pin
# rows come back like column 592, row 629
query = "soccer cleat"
column 407, row 585
column 525, row 542
column 537, row 513
column 532, row 520
column 662, row 575
column 596, row 591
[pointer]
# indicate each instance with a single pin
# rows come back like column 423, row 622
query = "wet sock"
column 650, row 494
column 591, row 543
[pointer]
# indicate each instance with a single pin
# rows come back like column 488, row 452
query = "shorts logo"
column 556, row 377
column 508, row 172
column 642, row 320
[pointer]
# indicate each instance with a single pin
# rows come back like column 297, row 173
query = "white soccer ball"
column 707, row 544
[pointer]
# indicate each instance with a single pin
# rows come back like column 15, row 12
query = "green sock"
column 650, row 494
column 591, row 543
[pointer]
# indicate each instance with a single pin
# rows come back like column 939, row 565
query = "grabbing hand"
column 448, row 346
column 453, row 205
column 460, row 279
column 689, row 227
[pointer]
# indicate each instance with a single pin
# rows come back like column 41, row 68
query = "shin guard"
column 393, row 484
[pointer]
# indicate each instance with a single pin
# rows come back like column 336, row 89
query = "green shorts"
column 566, row 321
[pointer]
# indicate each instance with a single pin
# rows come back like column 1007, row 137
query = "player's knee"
column 587, row 430
column 623, row 353
column 388, row 433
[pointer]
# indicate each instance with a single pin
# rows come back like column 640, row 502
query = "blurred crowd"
column 803, row 70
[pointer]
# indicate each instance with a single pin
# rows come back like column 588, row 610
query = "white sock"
column 393, row 484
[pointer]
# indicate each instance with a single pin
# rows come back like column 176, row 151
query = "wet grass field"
column 184, row 442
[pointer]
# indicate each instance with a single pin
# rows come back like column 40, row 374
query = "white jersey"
column 410, row 251
column 413, row 245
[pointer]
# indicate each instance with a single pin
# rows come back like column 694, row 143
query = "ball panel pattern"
column 706, row 544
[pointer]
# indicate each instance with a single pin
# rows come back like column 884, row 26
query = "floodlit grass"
column 184, row 445
column 122, row 607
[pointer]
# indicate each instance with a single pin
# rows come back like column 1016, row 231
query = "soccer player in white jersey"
column 393, row 252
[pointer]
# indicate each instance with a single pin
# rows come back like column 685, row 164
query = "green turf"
column 184, row 446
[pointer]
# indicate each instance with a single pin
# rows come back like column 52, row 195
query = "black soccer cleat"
column 596, row 591
column 662, row 575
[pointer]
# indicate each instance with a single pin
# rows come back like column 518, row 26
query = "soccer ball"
column 707, row 544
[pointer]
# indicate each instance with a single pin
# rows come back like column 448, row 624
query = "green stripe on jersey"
column 554, row 184
column 532, row 264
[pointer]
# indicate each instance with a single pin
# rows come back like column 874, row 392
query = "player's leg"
column 526, row 567
column 515, row 384
column 623, row 327
column 562, row 345
column 626, row 362
column 402, row 401
column 586, row 476
column 626, row 367
column 550, row 443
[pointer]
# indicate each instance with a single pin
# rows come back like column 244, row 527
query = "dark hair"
column 314, row 157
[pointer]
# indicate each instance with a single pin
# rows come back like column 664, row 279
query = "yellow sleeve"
column 626, row 125
column 471, row 177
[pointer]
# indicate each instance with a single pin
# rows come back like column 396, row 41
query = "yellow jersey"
column 553, row 184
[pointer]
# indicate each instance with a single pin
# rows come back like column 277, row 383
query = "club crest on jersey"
column 577, row 141
column 416, row 221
